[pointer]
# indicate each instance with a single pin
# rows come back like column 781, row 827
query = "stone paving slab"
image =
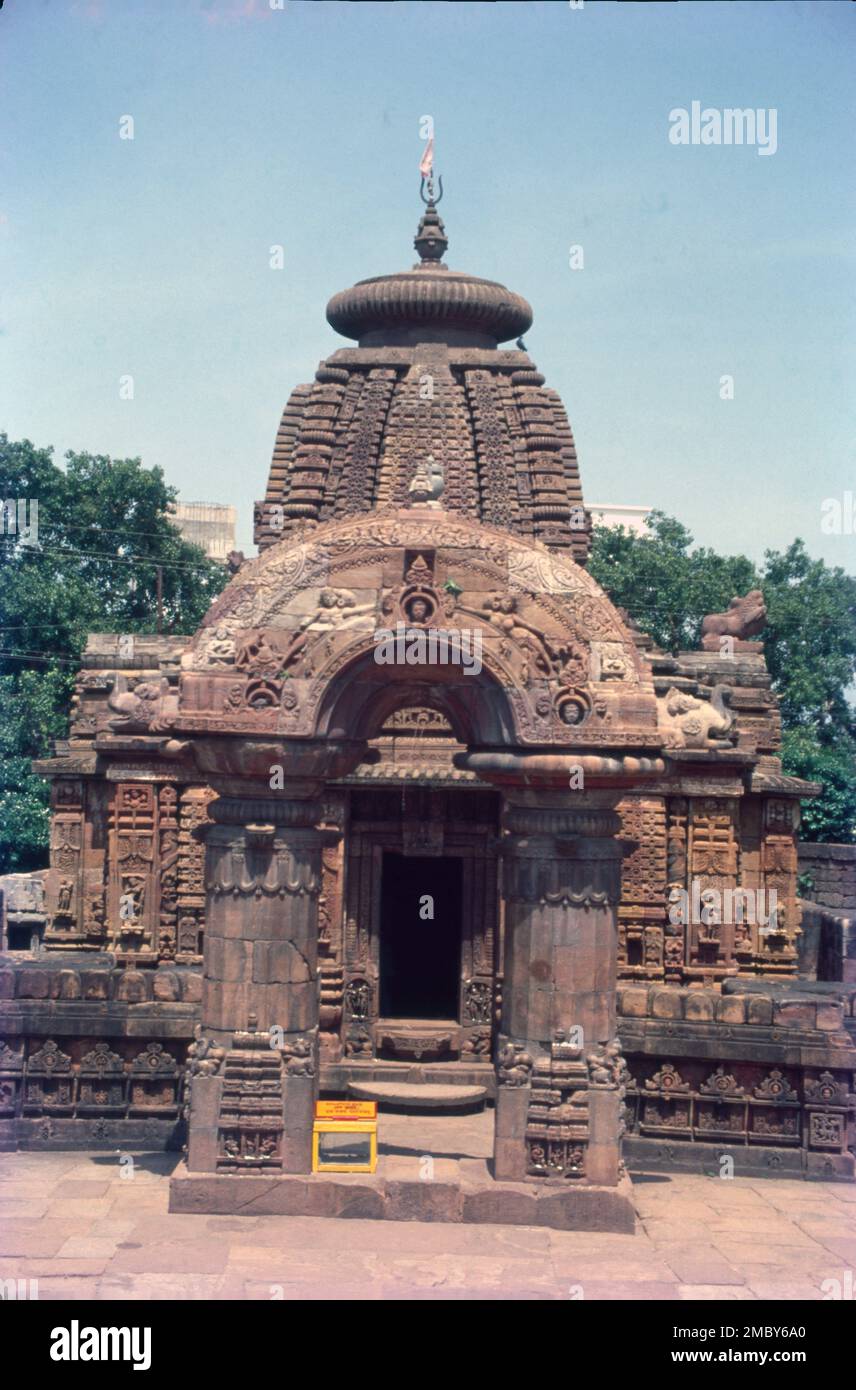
column 86, row 1232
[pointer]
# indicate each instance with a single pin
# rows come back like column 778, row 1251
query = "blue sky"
column 255, row 127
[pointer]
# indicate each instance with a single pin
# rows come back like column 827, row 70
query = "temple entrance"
column 420, row 936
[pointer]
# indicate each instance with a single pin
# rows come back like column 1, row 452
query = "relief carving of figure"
column 337, row 609
column 606, row 1065
column 204, row 1058
column 64, row 897
column 513, row 1064
column 550, row 655
column 257, row 656
column 691, row 723
column 611, row 660
column 149, row 706
column 221, row 646
column 298, row 1057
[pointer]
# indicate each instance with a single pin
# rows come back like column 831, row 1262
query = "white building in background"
column 210, row 525
column 631, row 518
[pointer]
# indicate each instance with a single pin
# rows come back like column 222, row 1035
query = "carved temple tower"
column 426, row 482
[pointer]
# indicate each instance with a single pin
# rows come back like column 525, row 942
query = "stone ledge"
column 375, row 1198
column 421, row 1095
column 51, row 978
column 717, row 1043
column 86, row 1018
column 645, row 1154
column 336, row 1076
column 784, row 1004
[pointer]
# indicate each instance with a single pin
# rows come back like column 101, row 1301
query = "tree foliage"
column 668, row 587
column 103, row 530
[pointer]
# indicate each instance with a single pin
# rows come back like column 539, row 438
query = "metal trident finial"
column 430, row 183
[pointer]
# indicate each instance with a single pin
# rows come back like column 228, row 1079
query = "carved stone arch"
column 287, row 651
column 359, row 699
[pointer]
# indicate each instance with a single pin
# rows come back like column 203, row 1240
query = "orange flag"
column 427, row 162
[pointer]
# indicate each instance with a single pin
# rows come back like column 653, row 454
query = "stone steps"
column 418, row 1096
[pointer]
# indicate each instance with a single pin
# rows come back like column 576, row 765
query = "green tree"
column 811, row 654
column 667, row 587
column 831, row 816
column 810, row 640
column 103, row 531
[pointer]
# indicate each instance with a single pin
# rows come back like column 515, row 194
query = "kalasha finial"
column 430, row 240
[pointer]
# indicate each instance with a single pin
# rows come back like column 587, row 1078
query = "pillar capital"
column 283, row 811
column 540, row 818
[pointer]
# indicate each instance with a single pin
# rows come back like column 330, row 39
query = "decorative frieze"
column 745, row 1106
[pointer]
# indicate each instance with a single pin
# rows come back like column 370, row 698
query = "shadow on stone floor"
column 420, row 1150
column 149, row 1162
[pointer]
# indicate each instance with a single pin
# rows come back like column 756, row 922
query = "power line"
column 76, row 660
column 174, row 532
column 117, row 559
column 40, row 656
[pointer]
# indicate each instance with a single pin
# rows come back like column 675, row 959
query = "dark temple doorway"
column 420, row 956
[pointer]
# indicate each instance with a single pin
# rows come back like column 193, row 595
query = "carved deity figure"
column 427, row 483
column 256, row 654
column 221, row 646
column 64, row 896
column 550, row 655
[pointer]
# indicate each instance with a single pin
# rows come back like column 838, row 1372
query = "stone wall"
column 763, row 1073
column 833, row 872
column 762, row 1076
column 92, row 1056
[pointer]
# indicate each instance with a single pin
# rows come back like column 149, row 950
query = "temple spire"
column 430, row 240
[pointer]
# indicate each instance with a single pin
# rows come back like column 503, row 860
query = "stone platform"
column 472, row 1197
column 430, row 1168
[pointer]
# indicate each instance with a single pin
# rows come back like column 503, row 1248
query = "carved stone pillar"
column 260, row 989
column 559, row 1098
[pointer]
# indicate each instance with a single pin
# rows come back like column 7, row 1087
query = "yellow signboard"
column 344, row 1146
column 344, row 1136
column 346, row 1110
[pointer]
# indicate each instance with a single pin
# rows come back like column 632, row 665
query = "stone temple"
column 418, row 806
